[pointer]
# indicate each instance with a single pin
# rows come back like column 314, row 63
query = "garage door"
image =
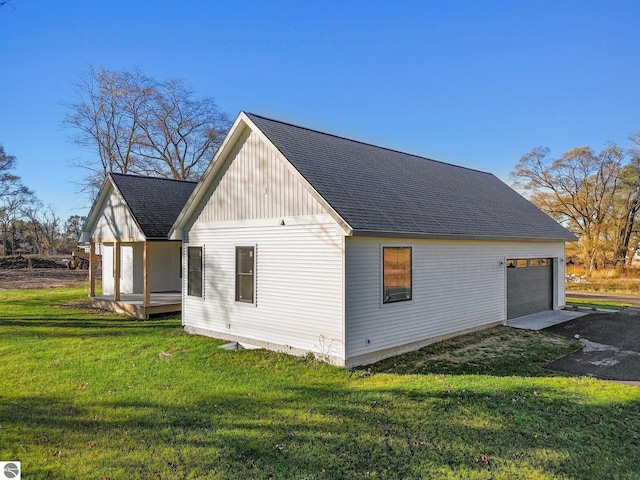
column 529, row 286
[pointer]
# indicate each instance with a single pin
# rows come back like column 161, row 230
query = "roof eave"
column 462, row 236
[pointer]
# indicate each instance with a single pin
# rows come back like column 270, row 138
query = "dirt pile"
column 18, row 261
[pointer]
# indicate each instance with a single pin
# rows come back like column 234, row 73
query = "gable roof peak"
column 364, row 144
column 154, row 202
column 384, row 192
column 136, row 175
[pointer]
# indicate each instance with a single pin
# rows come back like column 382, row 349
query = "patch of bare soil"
column 28, row 278
column 15, row 274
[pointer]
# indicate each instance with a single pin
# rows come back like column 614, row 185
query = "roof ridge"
column 340, row 137
column 151, row 177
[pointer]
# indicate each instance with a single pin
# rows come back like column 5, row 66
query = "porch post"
column 116, row 271
column 92, row 266
column 147, row 274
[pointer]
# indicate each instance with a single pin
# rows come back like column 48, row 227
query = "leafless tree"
column 43, row 226
column 135, row 124
column 106, row 120
column 181, row 133
column 594, row 194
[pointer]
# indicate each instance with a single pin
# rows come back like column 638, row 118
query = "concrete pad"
column 542, row 320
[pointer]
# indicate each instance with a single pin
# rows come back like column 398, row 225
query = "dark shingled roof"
column 154, row 202
column 378, row 191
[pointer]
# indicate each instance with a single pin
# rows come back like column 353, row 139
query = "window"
column 521, row 262
column 511, row 263
column 396, row 274
column 534, row 262
column 194, row 271
column 245, row 268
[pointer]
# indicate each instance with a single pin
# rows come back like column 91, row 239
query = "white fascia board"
column 96, row 208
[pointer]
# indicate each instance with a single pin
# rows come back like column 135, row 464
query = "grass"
column 607, row 280
column 604, row 304
column 102, row 396
column 499, row 351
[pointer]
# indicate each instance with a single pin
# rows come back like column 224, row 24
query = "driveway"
column 633, row 300
column 611, row 345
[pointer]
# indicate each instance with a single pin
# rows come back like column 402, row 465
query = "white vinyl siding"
column 126, row 269
column 165, row 266
column 457, row 286
column 298, row 299
column 256, row 182
column 107, row 269
column 115, row 220
column 259, row 200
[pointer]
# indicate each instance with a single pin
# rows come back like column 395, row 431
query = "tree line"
column 26, row 225
column 595, row 195
column 129, row 122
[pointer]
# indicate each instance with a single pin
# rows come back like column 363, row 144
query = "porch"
column 133, row 304
column 146, row 281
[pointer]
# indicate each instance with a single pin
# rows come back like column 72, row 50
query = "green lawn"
column 595, row 304
column 95, row 396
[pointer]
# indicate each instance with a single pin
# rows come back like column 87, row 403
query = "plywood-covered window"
column 194, row 271
column 245, row 274
column 396, row 274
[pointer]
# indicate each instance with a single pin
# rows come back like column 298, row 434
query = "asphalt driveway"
column 611, row 345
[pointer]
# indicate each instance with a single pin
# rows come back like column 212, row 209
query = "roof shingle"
column 378, row 191
column 154, row 202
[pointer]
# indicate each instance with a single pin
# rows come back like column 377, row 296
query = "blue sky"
column 475, row 83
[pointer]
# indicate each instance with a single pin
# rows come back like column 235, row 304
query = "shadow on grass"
column 65, row 313
column 327, row 432
column 83, row 327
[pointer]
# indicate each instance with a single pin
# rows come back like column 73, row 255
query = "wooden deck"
column 133, row 304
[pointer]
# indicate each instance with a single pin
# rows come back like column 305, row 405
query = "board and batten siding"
column 457, row 286
column 257, row 182
column 298, row 287
column 115, row 220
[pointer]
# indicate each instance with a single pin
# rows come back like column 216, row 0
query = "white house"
column 130, row 222
column 301, row 241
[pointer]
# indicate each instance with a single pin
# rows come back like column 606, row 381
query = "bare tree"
column 181, row 133
column 106, row 120
column 135, row 124
column 11, row 213
column 43, row 226
column 579, row 189
column 13, row 196
column 9, row 182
